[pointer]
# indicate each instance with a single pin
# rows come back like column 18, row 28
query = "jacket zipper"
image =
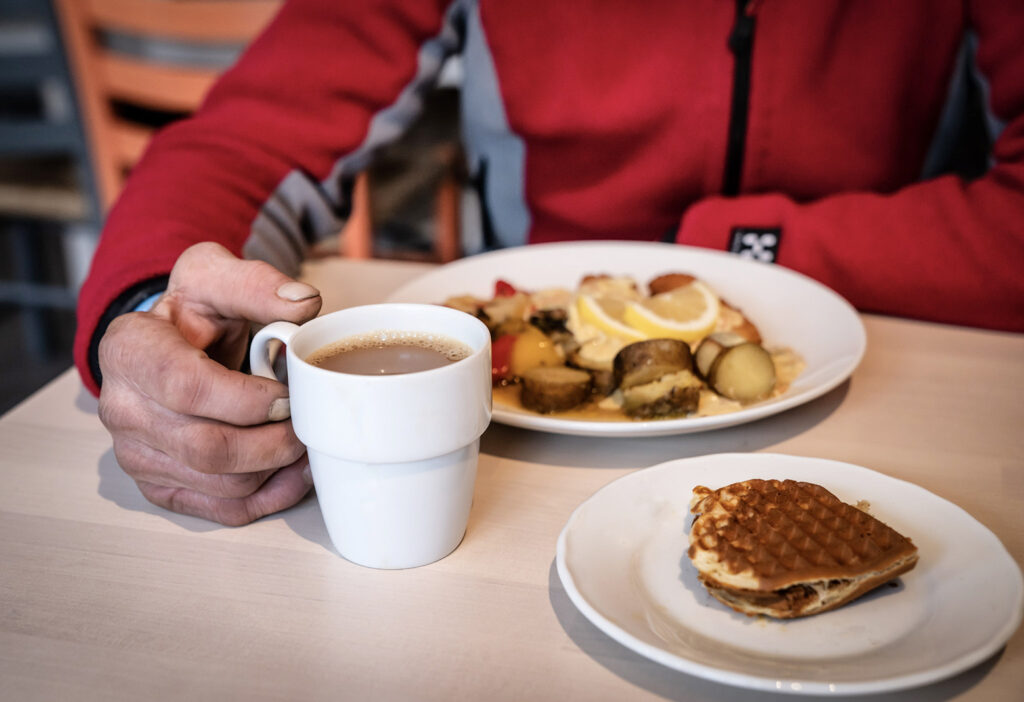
column 741, row 44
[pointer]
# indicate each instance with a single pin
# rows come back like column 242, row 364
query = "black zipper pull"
column 741, row 39
column 741, row 44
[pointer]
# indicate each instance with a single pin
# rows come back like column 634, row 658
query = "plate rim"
column 997, row 639
column 662, row 427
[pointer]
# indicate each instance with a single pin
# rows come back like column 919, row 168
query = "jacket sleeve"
column 944, row 250
column 301, row 98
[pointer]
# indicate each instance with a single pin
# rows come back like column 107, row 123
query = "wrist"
column 128, row 301
column 147, row 304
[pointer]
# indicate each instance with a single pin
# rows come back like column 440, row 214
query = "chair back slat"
column 193, row 20
column 155, row 86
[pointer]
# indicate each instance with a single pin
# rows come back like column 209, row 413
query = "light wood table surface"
column 105, row 597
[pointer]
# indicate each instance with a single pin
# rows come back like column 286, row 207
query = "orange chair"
column 109, row 79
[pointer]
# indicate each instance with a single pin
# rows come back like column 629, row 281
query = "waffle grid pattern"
column 775, row 528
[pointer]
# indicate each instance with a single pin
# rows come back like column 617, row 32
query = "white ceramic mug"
column 393, row 457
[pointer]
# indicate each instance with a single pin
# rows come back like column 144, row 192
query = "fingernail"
column 281, row 408
column 307, row 475
column 295, row 291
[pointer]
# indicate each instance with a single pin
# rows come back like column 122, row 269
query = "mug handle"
column 259, row 354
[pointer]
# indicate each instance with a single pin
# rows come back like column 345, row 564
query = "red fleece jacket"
column 625, row 113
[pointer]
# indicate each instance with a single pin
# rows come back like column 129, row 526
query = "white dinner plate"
column 622, row 559
column 790, row 310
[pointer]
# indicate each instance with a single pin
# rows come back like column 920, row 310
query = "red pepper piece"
column 503, row 288
column 501, row 358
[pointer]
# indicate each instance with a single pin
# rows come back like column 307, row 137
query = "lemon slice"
column 688, row 313
column 606, row 314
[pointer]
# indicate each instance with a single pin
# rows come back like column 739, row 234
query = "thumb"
column 210, row 276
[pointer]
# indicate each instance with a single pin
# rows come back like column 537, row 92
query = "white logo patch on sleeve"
column 757, row 243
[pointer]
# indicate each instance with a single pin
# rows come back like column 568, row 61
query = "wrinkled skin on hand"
column 198, row 436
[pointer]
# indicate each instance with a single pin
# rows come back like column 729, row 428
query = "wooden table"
column 105, row 597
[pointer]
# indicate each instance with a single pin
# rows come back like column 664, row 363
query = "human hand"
column 198, row 436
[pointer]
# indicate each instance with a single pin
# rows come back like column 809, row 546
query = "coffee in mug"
column 389, row 353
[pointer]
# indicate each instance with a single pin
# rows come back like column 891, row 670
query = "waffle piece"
column 789, row 549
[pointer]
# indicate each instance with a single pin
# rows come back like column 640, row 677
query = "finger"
column 142, row 354
column 210, row 276
column 284, row 489
column 203, row 445
column 215, row 447
column 145, row 464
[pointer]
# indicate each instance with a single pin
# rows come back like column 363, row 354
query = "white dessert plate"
column 790, row 310
column 622, row 559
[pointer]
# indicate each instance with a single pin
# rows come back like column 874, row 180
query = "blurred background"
column 84, row 84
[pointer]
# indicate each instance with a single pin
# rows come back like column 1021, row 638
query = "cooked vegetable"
column 672, row 395
column 533, row 348
column 732, row 319
column 503, row 308
column 554, row 388
column 550, row 320
column 744, row 372
column 669, row 281
column 603, row 383
column 592, row 356
column 468, row 304
column 512, row 325
column 503, row 288
column 645, row 361
column 501, row 355
column 711, row 347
